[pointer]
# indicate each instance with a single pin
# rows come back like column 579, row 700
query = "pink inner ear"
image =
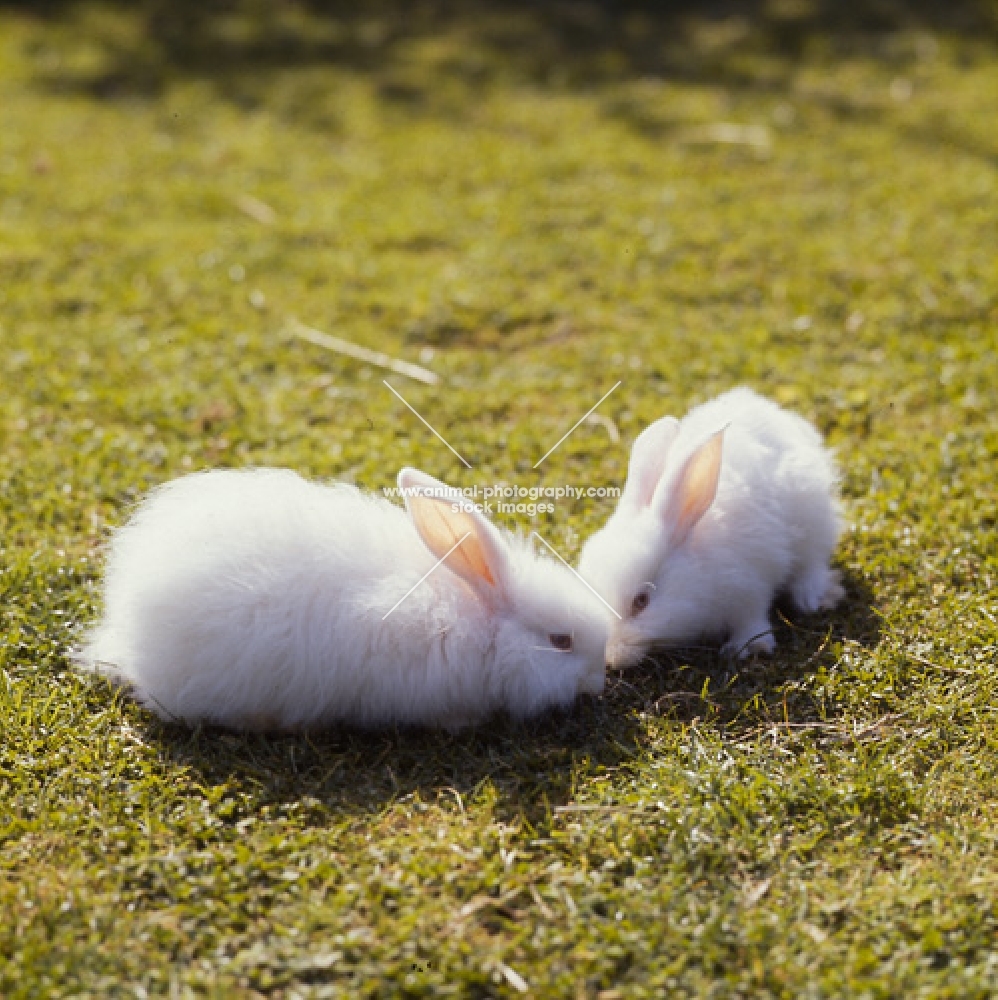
column 696, row 488
column 441, row 528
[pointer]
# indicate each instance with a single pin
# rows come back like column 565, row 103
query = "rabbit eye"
column 561, row 641
column 640, row 602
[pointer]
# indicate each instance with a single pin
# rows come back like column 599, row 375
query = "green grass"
column 534, row 204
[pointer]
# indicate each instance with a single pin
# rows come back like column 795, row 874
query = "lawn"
column 535, row 202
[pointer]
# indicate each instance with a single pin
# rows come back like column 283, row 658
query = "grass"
column 535, row 203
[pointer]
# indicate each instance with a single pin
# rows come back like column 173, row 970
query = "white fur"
column 712, row 563
column 257, row 600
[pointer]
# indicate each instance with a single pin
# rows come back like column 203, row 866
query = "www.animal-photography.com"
column 498, row 499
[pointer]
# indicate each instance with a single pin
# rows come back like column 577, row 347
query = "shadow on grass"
column 532, row 767
column 440, row 58
column 569, row 44
column 742, row 696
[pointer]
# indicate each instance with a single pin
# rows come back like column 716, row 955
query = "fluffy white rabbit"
column 258, row 600
column 720, row 512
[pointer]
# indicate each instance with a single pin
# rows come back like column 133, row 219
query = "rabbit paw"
column 820, row 590
column 755, row 641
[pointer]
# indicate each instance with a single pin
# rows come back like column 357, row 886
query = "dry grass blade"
column 365, row 354
column 730, row 134
column 257, row 210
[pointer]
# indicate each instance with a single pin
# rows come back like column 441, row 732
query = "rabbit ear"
column 648, row 455
column 454, row 531
column 687, row 498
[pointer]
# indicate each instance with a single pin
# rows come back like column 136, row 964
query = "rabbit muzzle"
column 621, row 654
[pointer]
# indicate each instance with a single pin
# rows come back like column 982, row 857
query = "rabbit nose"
column 612, row 656
column 620, row 654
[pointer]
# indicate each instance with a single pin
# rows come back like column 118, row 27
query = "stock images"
column 498, row 499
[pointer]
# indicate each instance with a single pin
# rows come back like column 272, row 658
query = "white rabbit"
column 258, row 600
column 720, row 512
